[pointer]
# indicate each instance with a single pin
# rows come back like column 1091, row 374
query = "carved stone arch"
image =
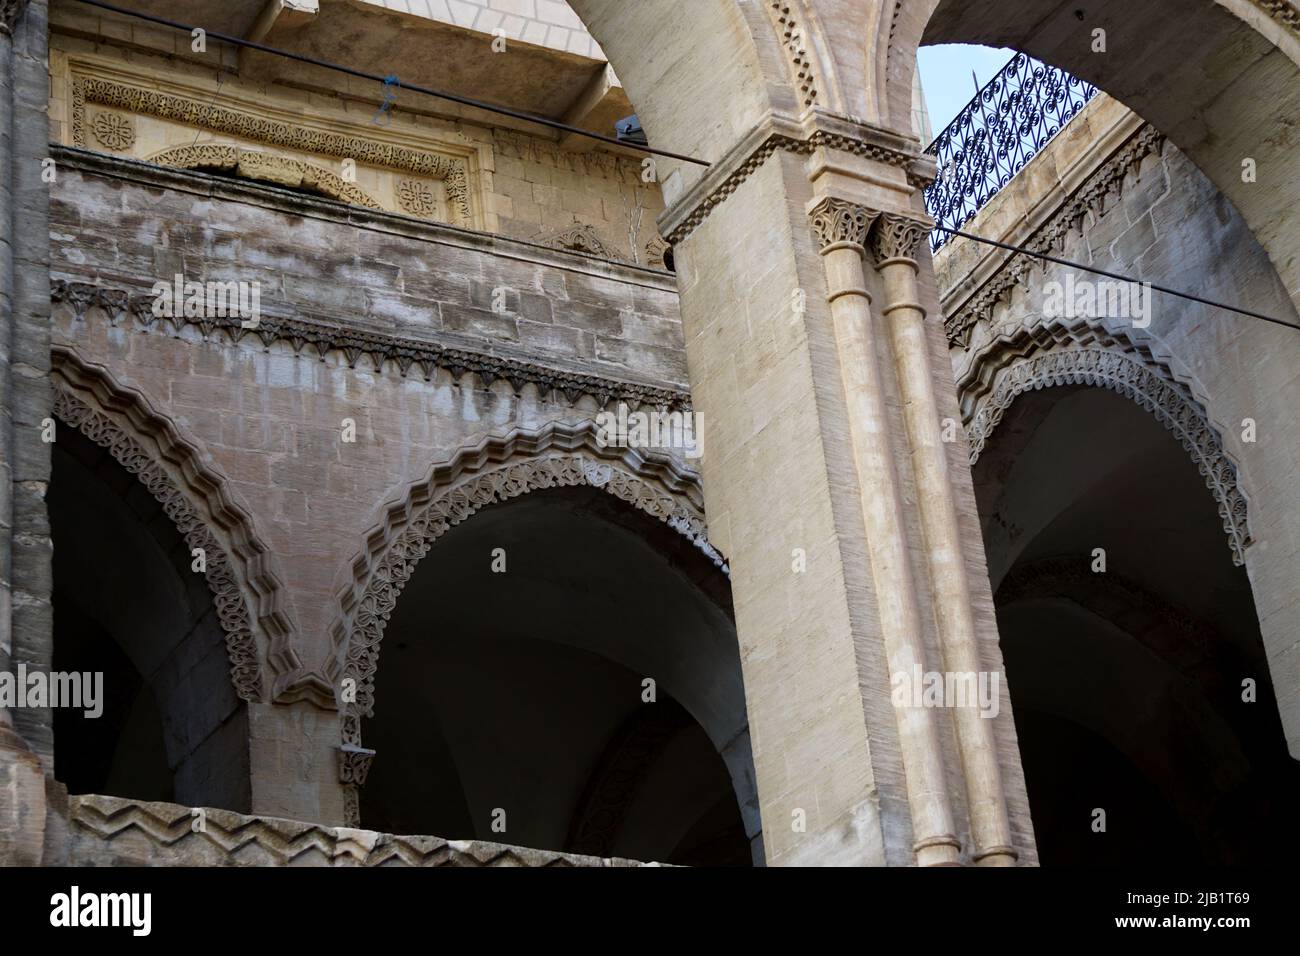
column 246, row 591
column 498, row 468
column 1170, row 85
column 906, row 22
column 794, row 25
column 733, row 53
column 265, row 167
column 1013, row 372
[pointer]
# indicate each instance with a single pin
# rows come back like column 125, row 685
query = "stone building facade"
column 395, row 450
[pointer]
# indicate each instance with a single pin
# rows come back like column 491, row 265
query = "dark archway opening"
column 516, row 697
column 1127, row 683
column 128, row 606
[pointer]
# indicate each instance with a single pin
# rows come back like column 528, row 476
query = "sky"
column 946, row 77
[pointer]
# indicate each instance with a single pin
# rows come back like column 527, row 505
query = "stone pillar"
column 25, row 617
column 814, row 455
column 894, row 243
column 841, row 230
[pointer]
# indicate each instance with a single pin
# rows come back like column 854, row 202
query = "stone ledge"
column 405, row 354
column 114, row 831
column 298, row 204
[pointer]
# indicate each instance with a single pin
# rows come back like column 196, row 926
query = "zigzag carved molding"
column 139, row 833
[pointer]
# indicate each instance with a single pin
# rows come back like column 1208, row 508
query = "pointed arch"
column 496, row 469
column 246, row 591
column 1031, row 362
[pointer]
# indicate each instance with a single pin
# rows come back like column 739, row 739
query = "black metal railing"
column 1010, row 119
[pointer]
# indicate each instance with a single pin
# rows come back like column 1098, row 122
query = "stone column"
column 25, row 621
column 841, row 229
column 894, row 243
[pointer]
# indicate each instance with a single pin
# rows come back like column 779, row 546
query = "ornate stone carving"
column 354, row 764
column 582, row 238
column 516, row 145
column 251, row 164
column 781, row 13
column 115, row 830
column 382, row 351
column 113, row 130
column 1125, row 375
column 223, row 119
column 893, row 23
column 245, row 671
column 802, row 147
column 417, row 198
column 82, row 393
column 500, row 468
column 1283, row 11
column 836, row 220
column 897, row 237
column 1050, row 237
column 659, row 254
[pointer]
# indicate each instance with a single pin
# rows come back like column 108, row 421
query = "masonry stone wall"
column 1111, row 192
column 573, row 334
column 518, row 182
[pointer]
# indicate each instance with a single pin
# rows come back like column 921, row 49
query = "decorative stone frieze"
column 252, row 164
column 1283, row 11
column 391, row 352
column 583, row 238
column 513, row 144
column 417, row 198
column 961, row 317
column 354, row 766
column 450, row 170
column 113, row 130
column 753, row 155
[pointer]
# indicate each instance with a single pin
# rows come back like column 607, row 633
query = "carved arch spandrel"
column 246, row 591
column 1022, row 364
column 498, row 468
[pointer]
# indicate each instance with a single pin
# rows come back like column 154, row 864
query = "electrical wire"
column 1115, row 275
column 388, row 82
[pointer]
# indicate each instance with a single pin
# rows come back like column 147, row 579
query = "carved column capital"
column 354, row 764
column 837, row 221
column 898, row 237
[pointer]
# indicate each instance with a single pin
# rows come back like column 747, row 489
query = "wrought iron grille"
column 1010, row 119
